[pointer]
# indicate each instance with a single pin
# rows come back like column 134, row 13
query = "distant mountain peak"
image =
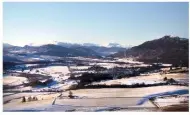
column 90, row 44
column 114, row 45
column 7, row 45
column 40, row 44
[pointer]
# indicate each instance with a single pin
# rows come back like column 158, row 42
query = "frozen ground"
column 103, row 99
column 128, row 60
column 59, row 73
column 147, row 79
column 171, row 100
column 94, row 100
column 14, row 80
column 125, row 92
column 80, row 67
column 109, row 65
column 167, row 99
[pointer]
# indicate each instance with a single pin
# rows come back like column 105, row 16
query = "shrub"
column 37, row 71
column 165, row 79
column 70, row 94
column 23, row 99
column 30, row 99
column 171, row 80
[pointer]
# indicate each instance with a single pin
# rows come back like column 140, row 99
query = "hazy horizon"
column 128, row 24
column 54, row 42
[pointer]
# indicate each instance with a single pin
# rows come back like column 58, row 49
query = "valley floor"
column 101, row 99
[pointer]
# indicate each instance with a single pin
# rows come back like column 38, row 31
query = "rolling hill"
column 172, row 50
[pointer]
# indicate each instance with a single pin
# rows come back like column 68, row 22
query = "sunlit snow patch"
column 176, row 92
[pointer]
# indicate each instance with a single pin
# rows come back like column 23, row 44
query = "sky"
column 127, row 23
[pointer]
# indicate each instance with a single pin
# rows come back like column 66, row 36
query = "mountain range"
column 171, row 50
column 59, row 49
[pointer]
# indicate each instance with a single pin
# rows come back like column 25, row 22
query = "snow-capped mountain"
column 66, row 44
column 90, row 44
column 40, row 44
column 59, row 49
column 114, row 45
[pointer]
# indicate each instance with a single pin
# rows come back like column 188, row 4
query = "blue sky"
column 100, row 23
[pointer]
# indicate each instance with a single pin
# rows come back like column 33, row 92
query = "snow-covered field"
column 108, row 65
column 94, row 100
column 79, row 67
column 60, row 73
column 125, row 92
column 151, row 79
column 127, row 60
column 57, row 72
column 104, row 62
column 14, row 80
column 171, row 100
column 147, row 79
column 181, row 77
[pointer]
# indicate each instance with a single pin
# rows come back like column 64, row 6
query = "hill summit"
column 173, row 50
